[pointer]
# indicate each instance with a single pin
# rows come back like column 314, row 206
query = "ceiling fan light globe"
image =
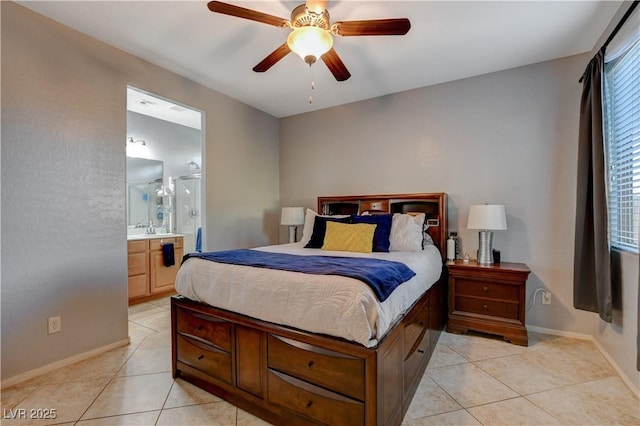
column 310, row 41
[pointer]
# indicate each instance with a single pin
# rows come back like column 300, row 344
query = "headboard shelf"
column 434, row 205
column 339, row 207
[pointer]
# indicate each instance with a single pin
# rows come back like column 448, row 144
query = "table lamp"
column 292, row 216
column 486, row 218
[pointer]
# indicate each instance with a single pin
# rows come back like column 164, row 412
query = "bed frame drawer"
column 417, row 343
column 418, row 355
column 312, row 401
column 208, row 359
column 332, row 370
column 416, row 326
column 489, row 290
column 214, row 331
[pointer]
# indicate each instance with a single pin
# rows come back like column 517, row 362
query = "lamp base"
column 485, row 247
column 292, row 233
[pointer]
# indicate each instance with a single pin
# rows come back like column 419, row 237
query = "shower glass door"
column 188, row 208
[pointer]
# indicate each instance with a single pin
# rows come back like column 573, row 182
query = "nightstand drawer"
column 467, row 287
column 487, row 307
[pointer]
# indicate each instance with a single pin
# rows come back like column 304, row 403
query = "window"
column 622, row 145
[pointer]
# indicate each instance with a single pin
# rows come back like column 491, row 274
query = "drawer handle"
column 420, row 351
column 485, row 289
column 200, row 357
column 484, row 307
column 309, row 404
column 310, row 364
column 421, row 323
column 200, row 328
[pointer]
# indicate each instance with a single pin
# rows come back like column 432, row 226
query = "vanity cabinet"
column 163, row 278
column 148, row 276
column 138, row 261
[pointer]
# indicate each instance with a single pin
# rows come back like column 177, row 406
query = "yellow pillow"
column 356, row 237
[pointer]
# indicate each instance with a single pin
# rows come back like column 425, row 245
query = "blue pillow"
column 320, row 228
column 382, row 232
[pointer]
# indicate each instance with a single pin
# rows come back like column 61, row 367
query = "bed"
column 297, row 348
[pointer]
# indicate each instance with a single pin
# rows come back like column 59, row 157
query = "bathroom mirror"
column 144, row 179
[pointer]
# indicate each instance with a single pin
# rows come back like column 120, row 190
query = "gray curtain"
column 592, row 261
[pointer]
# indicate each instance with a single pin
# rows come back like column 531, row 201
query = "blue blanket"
column 383, row 276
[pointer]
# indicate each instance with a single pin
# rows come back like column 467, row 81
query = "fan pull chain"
column 313, row 84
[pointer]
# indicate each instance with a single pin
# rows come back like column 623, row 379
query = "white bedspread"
column 330, row 304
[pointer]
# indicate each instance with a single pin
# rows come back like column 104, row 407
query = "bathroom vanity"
column 148, row 275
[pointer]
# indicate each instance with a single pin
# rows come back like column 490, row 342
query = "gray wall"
column 508, row 137
column 63, row 184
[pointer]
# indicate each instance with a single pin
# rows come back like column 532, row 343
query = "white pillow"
column 406, row 232
column 309, row 220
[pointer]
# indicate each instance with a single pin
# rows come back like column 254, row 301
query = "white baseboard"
column 560, row 333
column 11, row 381
column 627, row 381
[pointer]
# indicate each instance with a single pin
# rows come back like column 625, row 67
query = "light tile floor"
column 470, row 380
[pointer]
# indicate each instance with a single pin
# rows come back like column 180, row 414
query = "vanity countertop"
column 151, row 236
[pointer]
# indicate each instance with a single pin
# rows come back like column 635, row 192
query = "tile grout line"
column 115, row 375
column 446, row 393
column 173, row 383
column 519, row 395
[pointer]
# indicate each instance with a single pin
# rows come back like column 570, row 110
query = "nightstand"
column 488, row 298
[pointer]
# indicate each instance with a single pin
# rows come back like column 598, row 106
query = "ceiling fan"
column 312, row 33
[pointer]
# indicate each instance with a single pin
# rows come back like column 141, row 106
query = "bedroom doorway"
column 171, row 133
column 165, row 194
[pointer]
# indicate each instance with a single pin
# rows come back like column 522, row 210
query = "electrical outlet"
column 546, row 297
column 54, row 325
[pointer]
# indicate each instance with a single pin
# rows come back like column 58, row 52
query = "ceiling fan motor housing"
column 303, row 17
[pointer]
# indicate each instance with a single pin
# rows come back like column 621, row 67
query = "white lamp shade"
column 488, row 217
column 292, row 216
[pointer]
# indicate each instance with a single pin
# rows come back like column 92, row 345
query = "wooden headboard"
column 433, row 205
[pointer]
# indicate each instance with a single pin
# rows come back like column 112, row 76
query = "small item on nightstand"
column 496, row 256
column 467, row 258
column 451, row 248
column 455, row 237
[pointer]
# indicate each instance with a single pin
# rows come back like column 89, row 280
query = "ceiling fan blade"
column 273, row 57
column 335, row 65
column 241, row 12
column 398, row 26
column 316, row 6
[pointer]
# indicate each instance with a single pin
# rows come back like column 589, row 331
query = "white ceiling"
column 154, row 106
column 448, row 40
